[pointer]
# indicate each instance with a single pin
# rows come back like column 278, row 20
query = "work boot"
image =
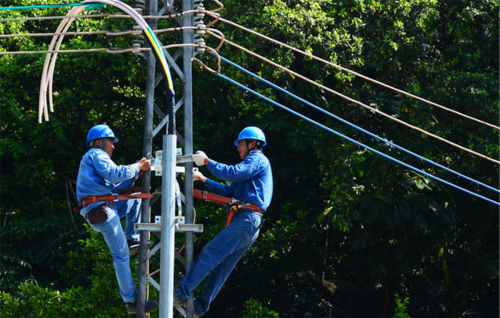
column 149, row 306
column 133, row 246
column 178, row 301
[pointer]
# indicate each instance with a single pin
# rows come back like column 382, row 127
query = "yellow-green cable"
column 155, row 45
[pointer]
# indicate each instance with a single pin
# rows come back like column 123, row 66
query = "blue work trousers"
column 116, row 240
column 218, row 258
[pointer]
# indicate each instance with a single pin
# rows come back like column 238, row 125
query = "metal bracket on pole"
column 156, row 227
column 157, row 163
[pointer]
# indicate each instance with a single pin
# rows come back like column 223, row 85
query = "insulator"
column 200, row 26
column 139, row 38
column 201, row 47
column 140, row 7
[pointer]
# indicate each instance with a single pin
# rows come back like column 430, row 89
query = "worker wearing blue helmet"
column 251, row 184
column 99, row 176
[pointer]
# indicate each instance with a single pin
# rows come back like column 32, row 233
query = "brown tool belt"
column 111, row 198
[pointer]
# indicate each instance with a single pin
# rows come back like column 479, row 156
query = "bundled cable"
column 50, row 60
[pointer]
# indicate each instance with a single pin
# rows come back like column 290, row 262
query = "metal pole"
column 151, row 9
column 188, row 53
column 167, row 226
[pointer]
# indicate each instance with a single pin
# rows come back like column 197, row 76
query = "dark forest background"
column 348, row 234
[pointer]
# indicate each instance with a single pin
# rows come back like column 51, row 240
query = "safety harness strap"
column 111, row 198
column 235, row 204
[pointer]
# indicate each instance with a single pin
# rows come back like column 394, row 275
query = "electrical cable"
column 41, row 6
column 355, row 126
column 68, row 185
column 355, row 73
column 108, row 33
column 48, row 70
column 354, row 141
column 98, row 50
column 110, row 15
column 54, row 17
column 358, row 102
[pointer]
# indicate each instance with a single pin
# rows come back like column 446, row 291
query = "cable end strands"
column 49, row 66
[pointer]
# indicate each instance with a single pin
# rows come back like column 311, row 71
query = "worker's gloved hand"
column 144, row 164
column 198, row 176
column 200, row 158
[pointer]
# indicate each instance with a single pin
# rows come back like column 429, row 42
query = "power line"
column 355, row 126
column 55, row 17
column 108, row 33
column 358, row 102
column 354, row 141
column 357, row 74
column 105, row 15
column 42, row 6
column 97, row 50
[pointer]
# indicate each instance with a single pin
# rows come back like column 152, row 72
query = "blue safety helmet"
column 252, row 133
column 100, row 131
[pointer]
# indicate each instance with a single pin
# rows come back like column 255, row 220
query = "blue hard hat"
column 100, row 131
column 252, row 132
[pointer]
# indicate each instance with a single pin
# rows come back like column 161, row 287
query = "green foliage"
column 93, row 290
column 346, row 228
column 254, row 309
column 401, row 305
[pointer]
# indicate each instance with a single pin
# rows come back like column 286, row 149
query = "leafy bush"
column 401, row 305
column 254, row 309
column 94, row 295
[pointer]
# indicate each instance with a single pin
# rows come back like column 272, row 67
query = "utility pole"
column 168, row 223
column 188, row 54
column 142, row 294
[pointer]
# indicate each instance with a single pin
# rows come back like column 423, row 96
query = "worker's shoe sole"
column 149, row 306
column 178, row 301
column 134, row 247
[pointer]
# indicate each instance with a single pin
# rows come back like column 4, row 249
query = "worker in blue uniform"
column 252, row 185
column 99, row 175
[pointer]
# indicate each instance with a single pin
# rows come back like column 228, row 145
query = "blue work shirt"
column 99, row 175
column 251, row 180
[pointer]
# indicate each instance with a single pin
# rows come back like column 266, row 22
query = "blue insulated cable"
column 357, row 127
column 354, row 141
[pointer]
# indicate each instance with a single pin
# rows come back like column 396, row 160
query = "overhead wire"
column 102, row 15
column 239, row 67
column 358, row 102
column 114, row 33
column 41, row 6
column 108, row 32
column 57, row 17
column 220, row 36
column 353, row 72
column 97, row 50
column 49, row 65
column 115, row 15
column 355, row 141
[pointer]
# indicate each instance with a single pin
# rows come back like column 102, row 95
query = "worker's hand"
column 200, row 158
column 144, row 164
column 198, row 176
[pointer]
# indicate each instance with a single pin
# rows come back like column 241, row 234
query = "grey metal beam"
column 167, row 255
column 188, row 53
column 151, row 9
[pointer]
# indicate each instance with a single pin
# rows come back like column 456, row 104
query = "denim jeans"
column 218, row 258
column 116, row 240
